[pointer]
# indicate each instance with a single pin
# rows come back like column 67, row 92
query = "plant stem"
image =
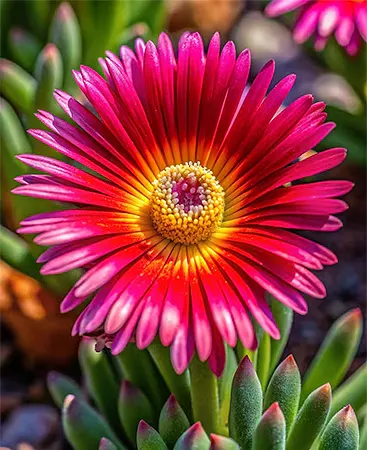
column 204, row 396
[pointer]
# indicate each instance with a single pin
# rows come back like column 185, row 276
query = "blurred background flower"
column 41, row 41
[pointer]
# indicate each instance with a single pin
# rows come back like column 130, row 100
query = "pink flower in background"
column 347, row 19
column 183, row 214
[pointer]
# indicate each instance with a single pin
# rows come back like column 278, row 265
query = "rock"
column 34, row 425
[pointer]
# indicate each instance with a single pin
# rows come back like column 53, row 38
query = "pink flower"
column 186, row 221
column 346, row 18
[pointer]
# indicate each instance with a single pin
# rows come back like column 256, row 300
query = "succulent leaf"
column 173, row 422
column 147, row 438
column 246, row 404
column 194, row 438
column 83, row 426
column 106, row 444
column 336, row 353
column 133, row 406
column 138, row 368
column 177, row 384
column 99, row 374
column 49, row 74
column 65, row 33
column 17, row 85
column 24, row 47
column 310, row 419
column 342, row 431
column 225, row 383
column 353, row 391
column 222, row 443
column 285, row 388
column 283, row 317
column 270, row 432
column 60, row 386
column 263, row 360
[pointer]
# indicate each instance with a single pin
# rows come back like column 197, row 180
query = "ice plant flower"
column 346, row 18
column 183, row 214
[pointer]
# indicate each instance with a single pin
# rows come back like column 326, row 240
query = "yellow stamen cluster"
column 187, row 203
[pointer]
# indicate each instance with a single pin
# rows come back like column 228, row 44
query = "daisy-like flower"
column 346, row 18
column 184, row 223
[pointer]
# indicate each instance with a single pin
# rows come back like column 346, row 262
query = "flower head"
column 185, row 221
column 346, row 18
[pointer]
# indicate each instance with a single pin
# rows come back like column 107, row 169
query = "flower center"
column 187, row 203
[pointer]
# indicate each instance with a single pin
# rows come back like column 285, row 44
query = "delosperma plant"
column 184, row 189
column 261, row 405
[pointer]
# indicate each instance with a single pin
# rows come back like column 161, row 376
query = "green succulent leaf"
column 106, row 444
column 363, row 436
column 283, row 317
column 177, row 384
column 263, row 360
column 65, row 33
column 49, row 74
column 194, row 438
column 310, row 419
column 98, row 373
column 222, row 443
column 270, row 432
column 353, row 391
column 133, row 406
column 336, row 353
column 84, row 427
column 60, row 386
column 342, row 431
column 246, row 404
column 17, row 85
column 24, row 47
column 147, row 438
column 173, row 422
column 225, row 383
column 138, row 368
column 285, row 388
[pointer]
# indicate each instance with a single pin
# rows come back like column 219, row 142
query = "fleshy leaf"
column 133, row 406
column 270, row 432
column 60, row 386
column 194, row 438
column 283, row 317
column 99, row 375
column 222, row 443
column 83, row 426
column 49, row 74
column 17, row 85
column 263, row 360
column 246, row 404
column 106, row 444
column 177, row 384
column 24, row 47
column 225, row 383
column 310, row 419
column 285, row 388
column 336, row 353
column 138, row 368
column 353, row 391
column 173, row 422
column 66, row 34
column 147, row 438
column 342, row 431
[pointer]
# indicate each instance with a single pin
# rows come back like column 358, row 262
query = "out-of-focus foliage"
column 351, row 129
column 42, row 41
column 261, row 406
column 40, row 47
